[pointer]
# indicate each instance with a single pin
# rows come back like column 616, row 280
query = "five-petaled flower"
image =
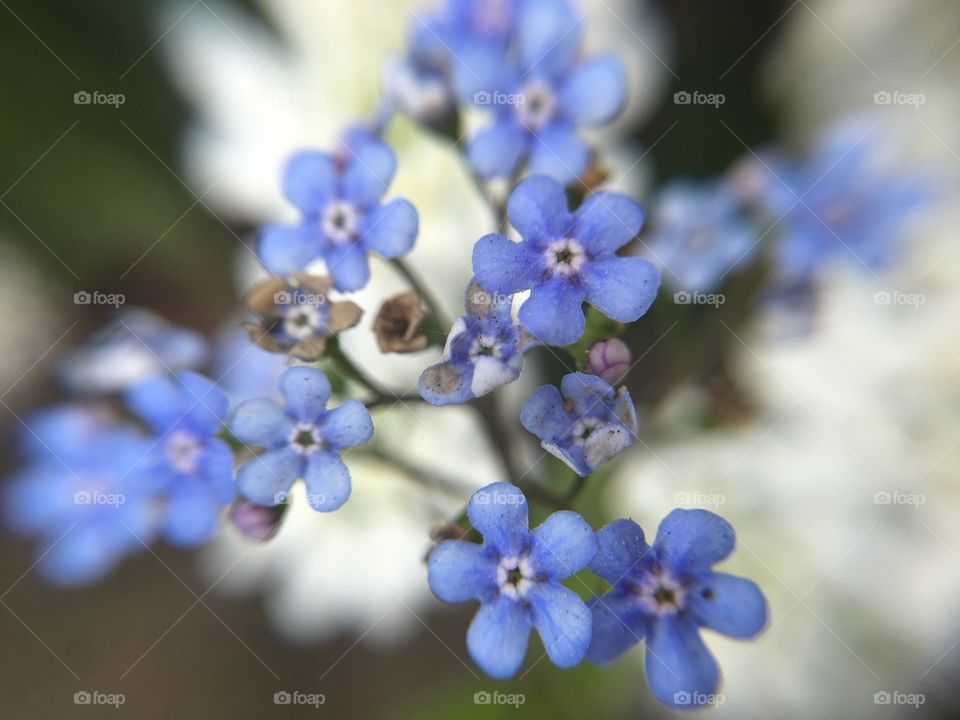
column 567, row 258
column 302, row 439
column 343, row 219
column 664, row 594
column 296, row 316
column 516, row 575
column 194, row 467
column 484, row 351
column 585, row 423
column 539, row 95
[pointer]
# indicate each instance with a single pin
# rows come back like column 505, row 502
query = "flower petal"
column 489, row 373
column 261, row 422
column 563, row 545
column 553, row 313
column 327, row 480
column 158, row 401
column 284, row 249
column 563, row 621
column 348, row 266
column 207, row 402
column 369, row 174
column 607, row 221
column 622, row 549
column 538, row 209
column 499, row 513
column 267, row 478
column 347, row 426
column 558, row 153
column 693, row 540
column 596, row 91
column 459, row 571
column 544, row 414
column 730, row 605
column 191, row 515
column 446, row 384
column 549, row 34
column 680, row 669
column 622, row 288
column 306, row 391
column 310, row 180
column 391, row 229
column 619, row 623
column 498, row 636
column 495, row 151
column 503, row 266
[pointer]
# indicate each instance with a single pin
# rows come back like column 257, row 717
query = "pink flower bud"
column 254, row 521
column 609, row 359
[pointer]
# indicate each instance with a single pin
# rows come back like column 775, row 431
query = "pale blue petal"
column 261, row 422
column 553, row 313
column 619, row 623
column 558, row 153
column 595, row 92
column 267, row 478
column 499, row 514
column 495, row 152
column 327, row 480
column 285, row 249
column 680, row 669
column 348, row 266
column 622, row 551
column 607, row 221
column 730, row 605
column 369, row 174
column 459, row 571
column 562, row 546
column 693, row 540
column 622, row 288
column 503, row 266
column 538, row 210
column 544, row 414
column 563, row 621
column 498, row 636
column 391, row 229
column 306, row 391
column 310, row 180
column 347, row 426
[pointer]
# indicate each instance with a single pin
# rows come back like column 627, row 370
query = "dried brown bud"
column 398, row 325
column 296, row 317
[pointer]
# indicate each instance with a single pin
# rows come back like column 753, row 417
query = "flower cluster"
column 661, row 595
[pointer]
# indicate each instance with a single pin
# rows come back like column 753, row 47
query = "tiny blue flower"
column 339, row 197
column 847, row 203
column 484, row 351
column 194, row 467
column 539, row 95
column 585, row 423
column 699, row 235
column 664, row 594
column 516, row 575
column 302, row 440
column 135, row 345
column 80, row 495
column 565, row 259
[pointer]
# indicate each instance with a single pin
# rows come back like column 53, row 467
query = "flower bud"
column 256, row 522
column 610, row 360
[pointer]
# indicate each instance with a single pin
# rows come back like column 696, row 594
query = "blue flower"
column 80, row 495
column 302, row 440
column 664, row 594
column 135, row 345
column 847, row 203
column 566, row 259
column 539, row 95
column 585, row 423
column 484, row 351
column 516, row 576
column 194, row 467
column 699, row 235
column 343, row 219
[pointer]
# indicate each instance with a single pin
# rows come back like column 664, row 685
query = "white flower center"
column 565, row 257
column 661, row 593
column 583, row 428
column 305, row 438
column 485, row 345
column 340, row 221
column 535, row 105
column 515, row 576
column 302, row 321
column 183, row 451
